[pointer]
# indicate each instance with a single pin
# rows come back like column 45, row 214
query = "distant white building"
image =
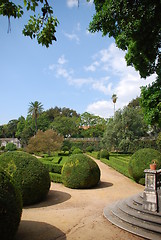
column 4, row 141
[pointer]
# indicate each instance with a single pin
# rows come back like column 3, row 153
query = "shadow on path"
column 31, row 230
column 54, row 197
column 103, row 184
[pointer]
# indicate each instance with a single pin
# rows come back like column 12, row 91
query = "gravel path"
column 78, row 214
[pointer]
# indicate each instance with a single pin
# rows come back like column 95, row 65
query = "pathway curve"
column 78, row 214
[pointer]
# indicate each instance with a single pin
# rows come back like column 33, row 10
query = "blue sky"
column 80, row 71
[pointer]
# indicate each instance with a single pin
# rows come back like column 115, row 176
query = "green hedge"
column 55, row 177
column 10, row 206
column 30, row 175
column 54, row 168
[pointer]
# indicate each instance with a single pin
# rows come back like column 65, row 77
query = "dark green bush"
column 55, row 177
column 80, row 171
column 104, row 154
column 10, row 207
column 77, row 151
column 10, row 147
column 30, row 175
column 141, row 160
column 89, row 149
column 62, row 153
column 98, row 155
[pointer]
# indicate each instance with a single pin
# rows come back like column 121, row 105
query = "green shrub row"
column 54, row 168
column 55, row 177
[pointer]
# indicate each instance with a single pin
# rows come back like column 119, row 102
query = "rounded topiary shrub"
column 30, row 175
column 10, row 207
column 80, row 171
column 141, row 160
column 77, row 151
column 104, row 154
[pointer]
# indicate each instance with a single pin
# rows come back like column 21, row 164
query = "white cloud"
column 62, row 60
column 79, row 82
column 72, row 3
column 62, row 72
column 92, row 67
column 108, row 74
column 102, row 108
column 102, row 85
column 72, row 36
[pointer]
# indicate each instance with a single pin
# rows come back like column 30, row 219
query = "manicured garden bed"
column 117, row 161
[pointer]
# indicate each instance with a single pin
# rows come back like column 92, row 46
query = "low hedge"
column 80, row 171
column 10, row 207
column 54, row 168
column 55, row 177
column 30, row 175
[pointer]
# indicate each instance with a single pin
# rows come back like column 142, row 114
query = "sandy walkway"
column 78, row 214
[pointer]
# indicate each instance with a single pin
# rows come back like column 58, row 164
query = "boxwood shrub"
column 77, row 151
column 141, row 160
column 30, row 175
column 104, row 154
column 10, row 207
column 80, row 171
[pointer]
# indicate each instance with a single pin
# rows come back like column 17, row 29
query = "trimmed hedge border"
column 55, row 177
column 52, row 167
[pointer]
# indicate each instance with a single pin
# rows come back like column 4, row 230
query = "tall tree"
column 114, row 99
column 151, row 102
column 136, row 28
column 127, row 126
column 12, row 127
column 35, row 108
column 45, row 142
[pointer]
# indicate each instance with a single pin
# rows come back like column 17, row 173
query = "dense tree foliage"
column 45, row 142
column 136, row 28
column 66, row 126
column 127, row 126
column 43, row 26
column 151, row 102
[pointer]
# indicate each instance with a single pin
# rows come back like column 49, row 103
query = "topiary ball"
column 10, row 207
column 30, row 175
column 77, row 151
column 80, row 171
column 141, row 160
column 104, row 154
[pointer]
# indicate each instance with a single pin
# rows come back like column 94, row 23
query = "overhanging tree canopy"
column 43, row 26
column 136, row 27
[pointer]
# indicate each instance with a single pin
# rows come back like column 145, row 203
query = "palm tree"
column 35, row 108
column 114, row 99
